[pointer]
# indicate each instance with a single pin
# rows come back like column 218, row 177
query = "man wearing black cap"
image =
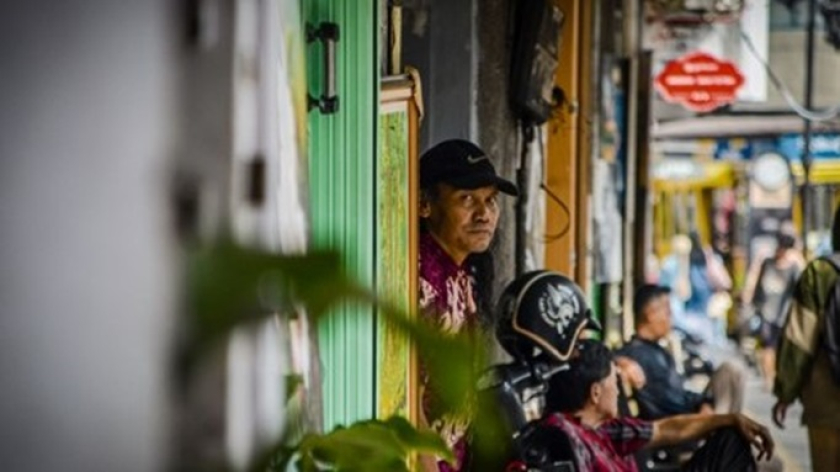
column 459, row 212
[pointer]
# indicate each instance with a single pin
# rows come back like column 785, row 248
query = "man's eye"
column 467, row 199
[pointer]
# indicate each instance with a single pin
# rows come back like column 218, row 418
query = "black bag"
column 831, row 312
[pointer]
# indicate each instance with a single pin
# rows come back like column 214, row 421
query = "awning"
column 728, row 126
column 822, row 172
column 710, row 174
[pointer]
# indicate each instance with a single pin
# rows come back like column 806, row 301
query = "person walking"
column 771, row 300
column 803, row 370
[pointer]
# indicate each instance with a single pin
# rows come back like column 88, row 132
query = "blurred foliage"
column 368, row 445
column 229, row 285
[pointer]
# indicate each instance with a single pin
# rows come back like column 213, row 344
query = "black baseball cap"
column 461, row 164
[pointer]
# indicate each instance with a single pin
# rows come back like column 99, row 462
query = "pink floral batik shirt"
column 446, row 300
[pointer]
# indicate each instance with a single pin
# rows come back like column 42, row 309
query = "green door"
column 342, row 199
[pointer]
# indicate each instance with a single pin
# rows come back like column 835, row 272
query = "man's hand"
column 779, row 413
column 756, row 434
column 681, row 428
column 631, row 372
column 706, row 409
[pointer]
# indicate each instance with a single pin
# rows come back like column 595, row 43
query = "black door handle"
column 327, row 34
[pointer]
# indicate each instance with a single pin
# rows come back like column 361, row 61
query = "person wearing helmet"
column 459, row 213
column 546, row 311
column 582, row 401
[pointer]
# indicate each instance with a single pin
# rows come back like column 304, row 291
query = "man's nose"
column 482, row 212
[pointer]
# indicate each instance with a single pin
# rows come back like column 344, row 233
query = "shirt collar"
column 649, row 343
column 430, row 251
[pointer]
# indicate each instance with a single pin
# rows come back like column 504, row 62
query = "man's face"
column 607, row 398
column 463, row 221
column 658, row 314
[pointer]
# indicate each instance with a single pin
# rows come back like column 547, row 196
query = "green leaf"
column 452, row 360
column 420, row 441
column 372, row 445
column 229, row 285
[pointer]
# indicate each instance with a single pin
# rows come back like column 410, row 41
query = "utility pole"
column 806, row 142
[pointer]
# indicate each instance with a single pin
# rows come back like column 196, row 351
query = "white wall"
column 88, row 260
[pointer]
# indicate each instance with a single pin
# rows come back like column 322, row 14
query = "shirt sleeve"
column 662, row 399
column 627, row 435
column 758, row 293
column 663, row 393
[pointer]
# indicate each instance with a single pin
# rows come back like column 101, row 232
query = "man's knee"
column 728, row 437
column 730, row 377
column 732, row 447
column 726, row 449
column 729, row 370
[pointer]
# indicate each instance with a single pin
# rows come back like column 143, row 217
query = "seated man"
column 583, row 403
column 664, row 393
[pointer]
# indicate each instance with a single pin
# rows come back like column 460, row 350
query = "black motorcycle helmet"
column 542, row 311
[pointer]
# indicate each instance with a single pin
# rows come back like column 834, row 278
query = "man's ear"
column 425, row 209
column 595, row 392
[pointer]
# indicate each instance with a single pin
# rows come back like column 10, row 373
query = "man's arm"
column 682, row 428
column 662, row 400
column 751, row 283
column 631, row 372
column 662, row 393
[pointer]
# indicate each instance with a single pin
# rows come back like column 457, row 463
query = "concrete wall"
column 439, row 39
column 462, row 50
column 497, row 129
column 105, row 103
column 86, row 288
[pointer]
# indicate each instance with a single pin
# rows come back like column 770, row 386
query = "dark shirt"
column 607, row 448
column 774, row 291
column 663, row 394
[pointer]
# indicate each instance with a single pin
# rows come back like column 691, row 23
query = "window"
column 783, row 18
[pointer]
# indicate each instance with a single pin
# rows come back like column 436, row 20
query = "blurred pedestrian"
column 674, row 275
column 803, row 371
column 710, row 283
column 771, row 300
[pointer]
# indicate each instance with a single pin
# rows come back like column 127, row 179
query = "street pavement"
column 792, row 441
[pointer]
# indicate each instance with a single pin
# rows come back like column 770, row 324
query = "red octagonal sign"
column 699, row 81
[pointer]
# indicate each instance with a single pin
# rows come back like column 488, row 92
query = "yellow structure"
column 567, row 164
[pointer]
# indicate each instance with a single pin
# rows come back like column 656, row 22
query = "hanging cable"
column 811, row 115
column 565, row 229
column 547, row 238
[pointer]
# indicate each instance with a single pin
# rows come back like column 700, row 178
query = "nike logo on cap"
column 476, row 159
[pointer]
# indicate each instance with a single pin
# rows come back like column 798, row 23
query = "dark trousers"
column 726, row 450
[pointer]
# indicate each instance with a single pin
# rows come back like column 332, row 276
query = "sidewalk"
column 791, row 442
